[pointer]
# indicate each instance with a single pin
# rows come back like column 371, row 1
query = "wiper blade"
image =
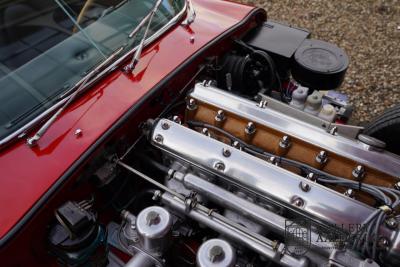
column 32, row 141
column 147, row 19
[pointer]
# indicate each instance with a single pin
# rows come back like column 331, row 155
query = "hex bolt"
column 78, row 132
column 263, row 104
column 392, row 223
column 159, row 138
column 273, row 160
column 250, row 128
column 322, row 157
column 191, row 104
column 334, row 130
column 349, row 193
column 226, row 152
column 216, row 254
column 219, row 166
column 284, row 142
column 358, row 172
column 206, row 132
column 305, row 187
column 312, row 177
column 165, row 125
column 220, row 116
column 236, row 145
column 176, row 119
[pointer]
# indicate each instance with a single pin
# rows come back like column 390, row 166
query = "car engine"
column 238, row 173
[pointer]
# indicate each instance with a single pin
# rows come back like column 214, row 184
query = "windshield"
column 47, row 46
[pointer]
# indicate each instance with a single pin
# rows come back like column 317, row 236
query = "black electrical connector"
column 74, row 218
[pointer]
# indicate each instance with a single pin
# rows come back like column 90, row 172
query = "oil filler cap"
column 319, row 65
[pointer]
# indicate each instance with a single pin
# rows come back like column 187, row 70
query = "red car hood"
column 27, row 174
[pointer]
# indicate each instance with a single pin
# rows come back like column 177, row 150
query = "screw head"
column 305, row 187
column 219, row 166
column 226, row 152
column 165, row 125
column 78, row 132
column 159, row 138
column 192, row 39
column 298, row 202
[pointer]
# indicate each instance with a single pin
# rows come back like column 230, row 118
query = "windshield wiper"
column 32, row 141
column 148, row 18
column 191, row 14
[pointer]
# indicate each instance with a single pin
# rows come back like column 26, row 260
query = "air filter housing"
column 319, row 65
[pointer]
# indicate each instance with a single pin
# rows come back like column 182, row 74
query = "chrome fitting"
column 177, row 119
column 284, row 142
column 322, row 157
column 312, row 177
column 191, row 104
column 226, row 152
column 358, row 172
column 305, row 187
column 349, row 193
column 220, row 117
column 263, row 104
column 250, row 128
column 206, row 132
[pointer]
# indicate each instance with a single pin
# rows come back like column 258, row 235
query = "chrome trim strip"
column 21, row 132
column 261, row 177
column 380, row 160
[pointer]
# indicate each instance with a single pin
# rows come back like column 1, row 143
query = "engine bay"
column 251, row 164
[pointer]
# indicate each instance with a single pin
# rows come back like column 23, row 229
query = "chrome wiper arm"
column 148, row 18
column 32, row 141
column 191, row 14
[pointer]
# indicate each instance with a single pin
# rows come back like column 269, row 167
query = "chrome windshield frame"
column 22, row 132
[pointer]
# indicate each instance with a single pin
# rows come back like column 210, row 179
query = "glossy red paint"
column 26, row 174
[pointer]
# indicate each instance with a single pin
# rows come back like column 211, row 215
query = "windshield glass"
column 47, row 46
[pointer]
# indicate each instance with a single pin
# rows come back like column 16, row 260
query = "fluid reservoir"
column 154, row 228
column 216, row 253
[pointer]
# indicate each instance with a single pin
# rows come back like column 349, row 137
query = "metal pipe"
column 272, row 221
column 276, row 254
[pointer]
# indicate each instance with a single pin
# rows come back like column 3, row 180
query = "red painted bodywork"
column 26, row 174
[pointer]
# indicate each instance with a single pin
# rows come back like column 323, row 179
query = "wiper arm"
column 191, row 14
column 32, row 141
column 148, row 18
